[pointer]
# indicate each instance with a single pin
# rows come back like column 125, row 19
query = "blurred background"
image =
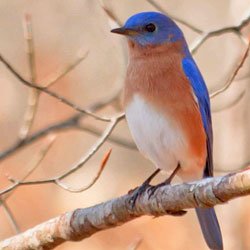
column 62, row 32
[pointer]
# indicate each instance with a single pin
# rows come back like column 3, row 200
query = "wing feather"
column 200, row 90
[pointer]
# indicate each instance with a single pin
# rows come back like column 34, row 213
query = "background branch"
column 58, row 179
column 51, row 93
column 233, row 74
column 34, row 94
column 69, row 123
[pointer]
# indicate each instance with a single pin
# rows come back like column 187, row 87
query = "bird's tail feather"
column 210, row 228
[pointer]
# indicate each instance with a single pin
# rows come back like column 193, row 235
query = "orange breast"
column 156, row 74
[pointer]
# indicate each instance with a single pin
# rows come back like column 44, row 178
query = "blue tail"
column 210, row 228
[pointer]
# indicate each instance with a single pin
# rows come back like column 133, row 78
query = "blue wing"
column 207, row 217
column 200, row 90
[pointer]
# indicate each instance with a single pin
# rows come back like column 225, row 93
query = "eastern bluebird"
column 167, row 106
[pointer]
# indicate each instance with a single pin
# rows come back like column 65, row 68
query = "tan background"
column 62, row 29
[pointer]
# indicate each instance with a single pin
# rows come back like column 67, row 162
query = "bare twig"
column 92, row 182
column 95, row 147
column 82, row 223
column 111, row 15
column 68, row 123
column 206, row 35
column 52, row 94
column 37, row 159
column 231, row 104
column 112, row 138
column 10, row 216
column 158, row 7
column 57, row 127
column 58, row 180
column 61, row 73
column 233, row 75
column 33, row 93
column 35, row 162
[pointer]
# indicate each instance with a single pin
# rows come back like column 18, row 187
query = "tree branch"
column 233, row 74
column 189, row 25
column 51, row 93
column 82, row 223
column 33, row 98
column 206, row 35
column 68, row 123
column 58, row 180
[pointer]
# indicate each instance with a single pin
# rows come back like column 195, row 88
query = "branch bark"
column 82, row 223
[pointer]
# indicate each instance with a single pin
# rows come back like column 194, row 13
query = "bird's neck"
column 137, row 51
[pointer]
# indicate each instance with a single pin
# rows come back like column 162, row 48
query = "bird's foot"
column 137, row 192
column 152, row 190
column 166, row 182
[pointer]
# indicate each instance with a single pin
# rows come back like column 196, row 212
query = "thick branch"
column 82, row 223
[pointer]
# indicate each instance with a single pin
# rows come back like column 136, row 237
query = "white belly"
column 158, row 138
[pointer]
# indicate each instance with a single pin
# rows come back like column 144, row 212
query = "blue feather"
column 207, row 217
column 166, row 29
column 200, row 90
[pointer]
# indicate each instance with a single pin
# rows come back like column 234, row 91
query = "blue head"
column 150, row 28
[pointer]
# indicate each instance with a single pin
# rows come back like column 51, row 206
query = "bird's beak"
column 125, row 31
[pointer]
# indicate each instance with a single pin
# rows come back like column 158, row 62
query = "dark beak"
column 124, row 31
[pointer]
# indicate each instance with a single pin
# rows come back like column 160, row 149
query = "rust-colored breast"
column 156, row 74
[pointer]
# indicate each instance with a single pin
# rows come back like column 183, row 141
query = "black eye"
column 150, row 27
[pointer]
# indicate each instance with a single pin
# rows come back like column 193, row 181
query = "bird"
column 167, row 107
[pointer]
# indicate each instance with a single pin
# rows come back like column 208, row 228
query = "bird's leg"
column 139, row 190
column 146, row 184
column 166, row 182
column 170, row 178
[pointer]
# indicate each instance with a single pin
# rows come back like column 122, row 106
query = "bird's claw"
column 137, row 192
column 152, row 189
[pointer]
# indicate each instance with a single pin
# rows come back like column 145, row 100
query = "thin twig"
column 52, row 94
column 75, row 167
column 10, row 217
column 68, row 123
column 114, row 139
column 95, row 147
column 192, row 27
column 33, row 98
column 34, row 164
column 233, row 75
column 112, row 16
column 56, row 127
column 231, row 104
column 51, row 80
column 208, row 34
column 92, row 182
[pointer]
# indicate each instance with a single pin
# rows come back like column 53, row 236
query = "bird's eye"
column 150, row 27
